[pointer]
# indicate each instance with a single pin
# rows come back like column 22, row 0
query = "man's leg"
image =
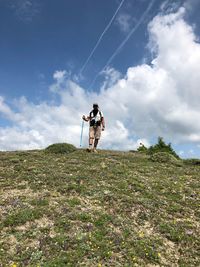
column 97, row 137
column 91, row 138
column 91, row 141
column 96, row 143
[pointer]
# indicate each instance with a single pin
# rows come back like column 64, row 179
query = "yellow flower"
column 141, row 234
column 159, row 255
column 14, row 265
column 99, row 265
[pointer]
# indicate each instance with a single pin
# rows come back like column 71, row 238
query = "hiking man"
column 97, row 124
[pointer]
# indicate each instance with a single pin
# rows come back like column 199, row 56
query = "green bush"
column 164, row 157
column 192, row 161
column 161, row 146
column 61, row 148
column 142, row 148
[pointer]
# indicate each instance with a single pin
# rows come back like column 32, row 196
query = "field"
column 107, row 209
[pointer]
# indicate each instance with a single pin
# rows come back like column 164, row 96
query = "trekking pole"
column 81, row 133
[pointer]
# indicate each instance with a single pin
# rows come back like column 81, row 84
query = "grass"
column 105, row 209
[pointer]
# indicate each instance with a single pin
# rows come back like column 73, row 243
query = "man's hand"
column 85, row 118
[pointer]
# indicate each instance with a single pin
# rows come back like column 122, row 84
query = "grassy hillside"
column 106, row 209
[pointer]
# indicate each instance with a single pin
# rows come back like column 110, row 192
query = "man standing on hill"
column 97, row 124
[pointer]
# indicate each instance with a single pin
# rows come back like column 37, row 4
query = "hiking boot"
column 89, row 149
column 95, row 150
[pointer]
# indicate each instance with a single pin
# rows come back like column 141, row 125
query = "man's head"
column 95, row 106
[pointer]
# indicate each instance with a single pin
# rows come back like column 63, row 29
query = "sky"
column 139, row 59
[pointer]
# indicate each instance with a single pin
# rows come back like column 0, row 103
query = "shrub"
column 142, row 148
column 161, row 146
column 61, row 148
column 192, row 161
column 164, row 157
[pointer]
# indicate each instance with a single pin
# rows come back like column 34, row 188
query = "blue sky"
column 44, row 44
column 49, row 35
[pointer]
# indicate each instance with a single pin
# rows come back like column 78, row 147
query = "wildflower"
column 141, row 234
column 14, row 265
column 159, row 255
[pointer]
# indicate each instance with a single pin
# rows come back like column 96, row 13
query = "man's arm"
column 86, row 118
column 103, row 123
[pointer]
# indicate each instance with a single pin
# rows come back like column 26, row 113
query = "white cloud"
column 60, row 78
column 25, row 10
column 150, row 101
column 5, row 109
column 111, row 76
column 59, row 75
column 169, row 7
column 181, row 153
column 124, row 22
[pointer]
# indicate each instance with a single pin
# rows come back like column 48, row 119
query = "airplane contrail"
column 100, row 38
column 124, row 41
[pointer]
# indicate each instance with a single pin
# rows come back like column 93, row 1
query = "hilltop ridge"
column 107, row 209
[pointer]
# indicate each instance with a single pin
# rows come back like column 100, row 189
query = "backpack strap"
column 96, row 115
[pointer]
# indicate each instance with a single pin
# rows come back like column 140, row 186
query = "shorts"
column 95, row 132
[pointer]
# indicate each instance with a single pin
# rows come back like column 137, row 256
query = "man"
column 97, row 124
